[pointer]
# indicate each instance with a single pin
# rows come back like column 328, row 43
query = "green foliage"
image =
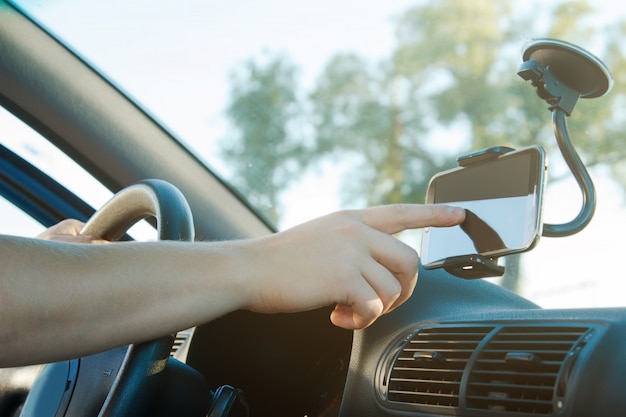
column 262, row 151
column 449, row 87
column 358, row 112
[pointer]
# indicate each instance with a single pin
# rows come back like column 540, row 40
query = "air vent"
column 429, row 367
column 519, row 368
column 180, row 347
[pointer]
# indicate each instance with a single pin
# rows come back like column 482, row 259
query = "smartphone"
column 502, row 194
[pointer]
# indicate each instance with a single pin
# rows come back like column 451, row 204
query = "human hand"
column 68, row 230
column 347, row 258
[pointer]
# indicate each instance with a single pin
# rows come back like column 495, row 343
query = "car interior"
column 461, row 346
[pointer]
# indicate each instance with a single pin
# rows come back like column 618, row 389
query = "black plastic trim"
column 36, row 193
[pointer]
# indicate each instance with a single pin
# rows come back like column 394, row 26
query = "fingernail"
column 455, row 211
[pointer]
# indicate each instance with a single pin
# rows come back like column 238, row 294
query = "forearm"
column 94, row 297
column 61, row 300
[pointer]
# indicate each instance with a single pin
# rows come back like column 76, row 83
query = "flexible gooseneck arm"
column 582, row 177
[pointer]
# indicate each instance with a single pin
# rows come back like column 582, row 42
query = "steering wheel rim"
column 142, row 363
column 147, row 198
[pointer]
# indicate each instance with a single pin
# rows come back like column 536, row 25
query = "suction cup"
column 574, row 66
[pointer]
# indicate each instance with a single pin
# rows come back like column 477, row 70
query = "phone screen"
column 502, row 197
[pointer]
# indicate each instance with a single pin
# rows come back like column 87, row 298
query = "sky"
column 220, row 35
column 195, row 44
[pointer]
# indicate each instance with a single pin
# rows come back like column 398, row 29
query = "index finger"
column 395, row 218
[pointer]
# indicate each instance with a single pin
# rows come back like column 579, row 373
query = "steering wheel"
column 120, row 382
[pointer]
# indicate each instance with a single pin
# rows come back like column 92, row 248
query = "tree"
column 262, row 109
column 449, row 87
column 454, row 71
column 359, row 112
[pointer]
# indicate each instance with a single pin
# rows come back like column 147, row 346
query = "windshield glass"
column 312, row 106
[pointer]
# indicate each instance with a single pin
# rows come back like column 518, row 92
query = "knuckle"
column 349, row 227
column 409, row 258
column 346, row 271
column 370, row 313
column 392, row 291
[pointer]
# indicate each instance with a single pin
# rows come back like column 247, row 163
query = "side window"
column 13, row 221
column 29, row 145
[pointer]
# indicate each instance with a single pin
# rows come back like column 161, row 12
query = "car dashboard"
column 478, row 351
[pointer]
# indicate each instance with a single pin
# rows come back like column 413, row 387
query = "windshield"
column 312, row 106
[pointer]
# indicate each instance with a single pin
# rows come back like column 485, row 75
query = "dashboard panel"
column 470, row 348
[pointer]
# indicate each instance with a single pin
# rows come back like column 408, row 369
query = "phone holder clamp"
column 473, row 266
column 483, row 154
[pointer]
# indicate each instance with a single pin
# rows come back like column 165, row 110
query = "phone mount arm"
column 561, row 74
column 582, row 177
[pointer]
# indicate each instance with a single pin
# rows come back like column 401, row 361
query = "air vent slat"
column 519, row 374
column 418, row 368
column 520, row 405
column 515, row 402
column 415, row 380
column 435, row 397
column 431, row 400
column 527, row 389
column 500, row 362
